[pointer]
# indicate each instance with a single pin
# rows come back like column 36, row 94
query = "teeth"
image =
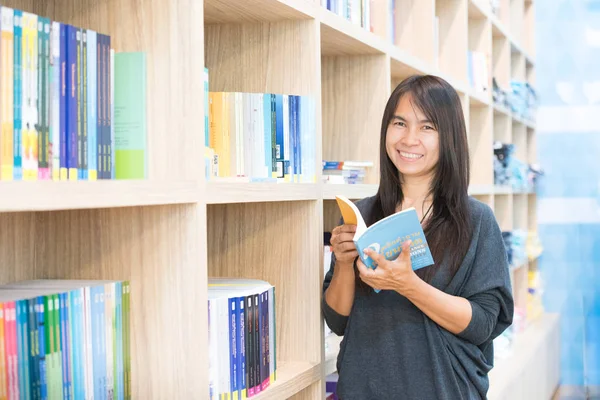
column 410, row 155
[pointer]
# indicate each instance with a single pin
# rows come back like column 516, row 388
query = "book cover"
column 17, row 95
column 130, row 115
column 387, row 235
column 6, row 95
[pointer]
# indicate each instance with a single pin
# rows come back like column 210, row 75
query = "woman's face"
column 412, row 142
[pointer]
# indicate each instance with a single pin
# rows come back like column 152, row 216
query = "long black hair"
column 448, row 230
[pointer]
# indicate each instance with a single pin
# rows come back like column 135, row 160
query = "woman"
column 428, row 333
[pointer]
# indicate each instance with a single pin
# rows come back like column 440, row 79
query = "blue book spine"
column 279, row 144
column 18, row 95
column 95, row 332
column 55, row 95
column 20, row 348
column 299, row 134
column 233, row 370
column 242, row 347
column 100, row 109
column 33, row 348
column 63, row 140
column 64, row 343
column 42, row 347
column 72, row 102
column 267, row 133
column 120, row 393
column 292, row 140
column 91, row 105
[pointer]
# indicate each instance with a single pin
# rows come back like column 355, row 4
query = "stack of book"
column 241, row 337
column 356, row 11
column 58, row 105
column 345, row 172
column 260, row 137
column 65, row 339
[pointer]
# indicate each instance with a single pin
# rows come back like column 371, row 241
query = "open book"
column 387, row 235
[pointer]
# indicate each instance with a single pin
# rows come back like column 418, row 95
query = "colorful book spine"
column 6, row 93
column 18, row 96
column 83, row 115
column 55, row 95
column 72, row 102
column 63, row 103
column 92, row 123
column 44, row 140
column 30, row 101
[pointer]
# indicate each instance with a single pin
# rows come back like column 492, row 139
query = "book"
column 387, row 235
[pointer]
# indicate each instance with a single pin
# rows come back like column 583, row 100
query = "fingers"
column 405, row 254
column 379, row 259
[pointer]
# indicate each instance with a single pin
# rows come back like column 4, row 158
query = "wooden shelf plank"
column 50, row 195
column 292, row 377
column 238, row 192
column 476, row 10
column 226, row 11
column 341, row 37
column 481, row 190
column 479, row 99
column 353, row 192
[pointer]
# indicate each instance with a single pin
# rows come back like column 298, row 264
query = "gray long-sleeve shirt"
column 392, row 350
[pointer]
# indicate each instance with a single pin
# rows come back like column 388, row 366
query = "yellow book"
column 6, row 95
column 219, row 136
column 30, row 97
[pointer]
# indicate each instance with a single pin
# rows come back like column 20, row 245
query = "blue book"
column 387, row 235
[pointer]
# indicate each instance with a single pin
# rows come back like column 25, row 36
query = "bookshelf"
column 169, row 233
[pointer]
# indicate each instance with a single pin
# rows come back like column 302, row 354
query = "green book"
column 130, row 115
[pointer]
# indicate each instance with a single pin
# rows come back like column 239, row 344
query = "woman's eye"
column 398, row 123
column 427, row 127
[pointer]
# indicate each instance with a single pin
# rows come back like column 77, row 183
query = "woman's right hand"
column 343, row 246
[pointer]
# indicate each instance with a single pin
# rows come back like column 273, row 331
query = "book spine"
column 233, row 371
column 91, row 98
column 273, row 139
column 79, row 103
column 100, row 95
column 110, row 99
column 34, row 350
column 18, row 95
column 83, row 90
column 44, row 144
column 242, row 348
column 7, row 94
column 286, row 137
column 42, row 342
column 30, row 136
column 72, row 101
column 62, row 103
column 257, row 346
column 54, row 105
column 250, row 377
column 267, row 169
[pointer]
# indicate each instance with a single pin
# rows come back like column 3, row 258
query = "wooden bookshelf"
column 169, row 233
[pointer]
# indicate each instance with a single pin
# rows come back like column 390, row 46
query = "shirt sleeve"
column 335, row 321
column 488, row 288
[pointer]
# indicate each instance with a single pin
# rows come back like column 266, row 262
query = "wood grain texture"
column 352, row 108
column 154, row 27
column 228, row 193
column 226, row 11
column 502, row 127
column 292, row 379
column 158, row 250
column 453, row 38
column 415, row 28
column 279, row 57
column 313, row 392
column 49, row 195
column 341, row 37
column 280, row 243
column 18, row 250
column 480, row 145
column 501, row 60
column 503, row 209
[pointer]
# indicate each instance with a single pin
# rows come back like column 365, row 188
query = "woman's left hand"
column 396, row 275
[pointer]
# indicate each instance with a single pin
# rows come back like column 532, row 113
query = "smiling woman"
column 428, row 334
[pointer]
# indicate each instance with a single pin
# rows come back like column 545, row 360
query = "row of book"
column 241, row 337
column 65, row 339
column 510, row 171
column 521, row 98
column 345, row 172
column 356, row 11
column 260, row 137
column 70, row 108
